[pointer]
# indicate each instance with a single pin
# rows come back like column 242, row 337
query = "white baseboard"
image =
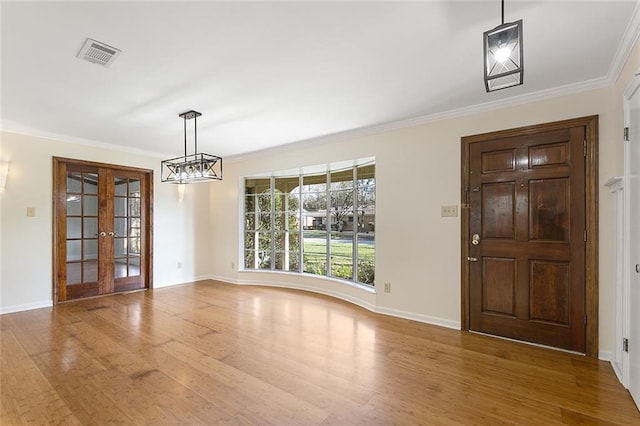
column 455, row 325
column 25, row 307
column 606, row 356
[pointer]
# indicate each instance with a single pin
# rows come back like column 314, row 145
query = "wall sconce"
column 4, row 172
column 503, row 62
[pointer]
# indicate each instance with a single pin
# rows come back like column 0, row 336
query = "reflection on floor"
column 220, row 354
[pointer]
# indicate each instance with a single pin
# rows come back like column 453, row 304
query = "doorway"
column 102, row 229
column 529, row 234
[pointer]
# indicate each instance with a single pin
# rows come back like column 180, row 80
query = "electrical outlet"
column 179, row 265
column 387, row 287
column 448, row 211
column 233, row 265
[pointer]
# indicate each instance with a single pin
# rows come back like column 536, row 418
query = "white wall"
column 419, row 256
column 180, row 229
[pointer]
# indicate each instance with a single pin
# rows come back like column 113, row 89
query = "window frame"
column 302, row 218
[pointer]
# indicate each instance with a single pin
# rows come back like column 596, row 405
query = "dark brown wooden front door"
column 527, row 235
column 102, row 232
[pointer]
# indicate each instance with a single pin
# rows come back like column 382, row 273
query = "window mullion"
column 256, row 233
column 273, row 224
column 285, row 243
column 328, row 222
column 356, row 227
column 301, row 230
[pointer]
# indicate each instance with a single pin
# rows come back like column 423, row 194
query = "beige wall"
column 26, row 253
column 420, row 257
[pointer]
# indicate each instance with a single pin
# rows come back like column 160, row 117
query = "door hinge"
column 585, row 235
column 626, row 134
column 625, row 345
column 584, row 147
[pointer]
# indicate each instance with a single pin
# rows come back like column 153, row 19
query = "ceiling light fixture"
column 196, row 167
column 503, row 61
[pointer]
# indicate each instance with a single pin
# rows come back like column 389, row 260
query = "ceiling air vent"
column 98, row 53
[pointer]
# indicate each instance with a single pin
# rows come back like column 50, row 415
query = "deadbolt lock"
column 475, row 239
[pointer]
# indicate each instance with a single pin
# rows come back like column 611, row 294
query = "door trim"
column 58, row 199
column 591, row 205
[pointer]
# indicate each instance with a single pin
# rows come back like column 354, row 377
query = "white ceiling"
column 270, row 73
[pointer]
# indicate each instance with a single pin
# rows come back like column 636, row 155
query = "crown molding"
column 8, row 127
column 555, row 92
column 629, row 39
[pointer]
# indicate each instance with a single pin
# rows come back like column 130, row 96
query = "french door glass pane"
column 90, row 229
column 134, row 206
column 74, row 273
column 90, row 250
column 90, row 205
column 134, row 188
column 74, row 248
column 120, row 268
column 74, row 182
column 74, row 227
column 120, row 204
column 120, row 226
column 90, row 181
column 120, row 186
column 74, row 205
column 134, row 246
column 89, row 271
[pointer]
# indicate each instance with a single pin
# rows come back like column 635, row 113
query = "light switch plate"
column 448, row 211
column 31, row 212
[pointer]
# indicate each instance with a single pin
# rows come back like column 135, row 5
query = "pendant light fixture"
column 503, row 61
column 196, row 167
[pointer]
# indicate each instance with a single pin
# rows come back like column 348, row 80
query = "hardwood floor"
column 214, row 353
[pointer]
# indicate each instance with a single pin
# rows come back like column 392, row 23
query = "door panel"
column 498, row 295
column 81, row 232
column 525, row 269
column 498, row 206
column 103, row 238
column 128, row 265
column 550, row 289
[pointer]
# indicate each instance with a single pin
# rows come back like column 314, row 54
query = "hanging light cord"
column 195, row 132
column 502, row 12
column 185, row 135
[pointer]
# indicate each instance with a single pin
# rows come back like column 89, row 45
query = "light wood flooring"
column 213, row 353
